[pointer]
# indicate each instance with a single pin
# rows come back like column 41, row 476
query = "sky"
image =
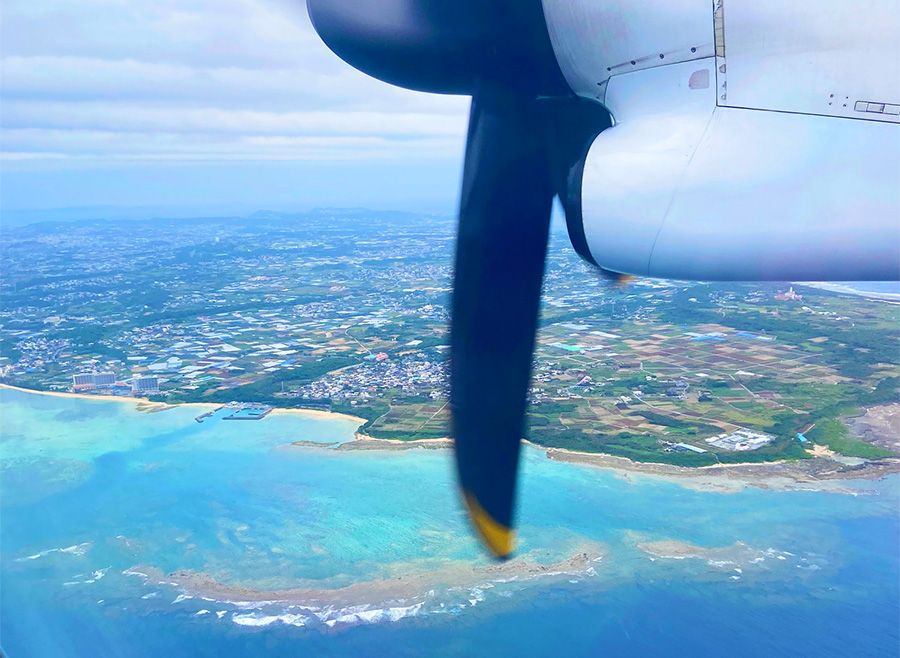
column 199, row 106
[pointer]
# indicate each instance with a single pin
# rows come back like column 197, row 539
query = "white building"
column 741, row 440
column 89, row 380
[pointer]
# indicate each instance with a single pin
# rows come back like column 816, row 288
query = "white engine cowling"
column 751, row 140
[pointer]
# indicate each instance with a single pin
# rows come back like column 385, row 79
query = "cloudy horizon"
column 203, row 105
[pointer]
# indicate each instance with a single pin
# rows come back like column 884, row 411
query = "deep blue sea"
column 105, row 508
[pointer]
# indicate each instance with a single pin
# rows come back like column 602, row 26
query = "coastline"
column 822, row 472
column 847, row 290
column 88, row 396
column 159, row 406
column 365, row 442
column 317, row 413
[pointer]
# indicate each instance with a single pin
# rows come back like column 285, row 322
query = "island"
column 346, row 311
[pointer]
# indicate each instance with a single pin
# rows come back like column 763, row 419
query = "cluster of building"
column 35, row 353
column 740, row 440
column 108, row 382
column 409, row 376
column 239, row 319
column 369, row 296
column 789, row 296
column 87, row 381
column 680, row 446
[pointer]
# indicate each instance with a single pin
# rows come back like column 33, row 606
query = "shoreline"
column 88, row 396
column 311, row 413
column 365, row 442
column 822, row 471
column 847, row 290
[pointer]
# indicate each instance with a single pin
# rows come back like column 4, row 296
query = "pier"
column 238, row 411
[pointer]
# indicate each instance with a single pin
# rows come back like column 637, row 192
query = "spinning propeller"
column 732, row 163
column 527, row 135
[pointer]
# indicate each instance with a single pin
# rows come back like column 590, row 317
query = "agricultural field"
column 348, row 311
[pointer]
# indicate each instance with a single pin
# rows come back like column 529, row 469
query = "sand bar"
column 414, row 579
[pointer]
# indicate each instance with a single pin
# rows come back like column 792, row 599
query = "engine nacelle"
column 679, row 188
column 752, row 140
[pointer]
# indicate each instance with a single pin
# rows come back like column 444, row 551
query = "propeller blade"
column 504, row 220
column 500, row 52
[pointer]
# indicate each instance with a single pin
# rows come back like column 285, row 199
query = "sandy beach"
column 823, row 472
column 149, row 406
column 317, row 413
column 108, row 398
column 364, row 442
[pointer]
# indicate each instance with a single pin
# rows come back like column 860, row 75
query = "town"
column 348, row 311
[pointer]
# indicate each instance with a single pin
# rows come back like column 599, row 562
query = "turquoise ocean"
column 127, row 533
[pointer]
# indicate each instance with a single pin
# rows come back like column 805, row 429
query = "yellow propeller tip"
column 500, row 539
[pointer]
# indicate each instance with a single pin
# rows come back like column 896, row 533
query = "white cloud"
column 100, row 145
column 117, row 80
column 131, row 117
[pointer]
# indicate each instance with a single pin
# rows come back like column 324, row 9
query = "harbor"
column 237, row 411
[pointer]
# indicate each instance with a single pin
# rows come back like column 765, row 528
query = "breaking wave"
column 77, row 550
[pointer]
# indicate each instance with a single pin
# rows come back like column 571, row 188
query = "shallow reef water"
column 126, row 533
